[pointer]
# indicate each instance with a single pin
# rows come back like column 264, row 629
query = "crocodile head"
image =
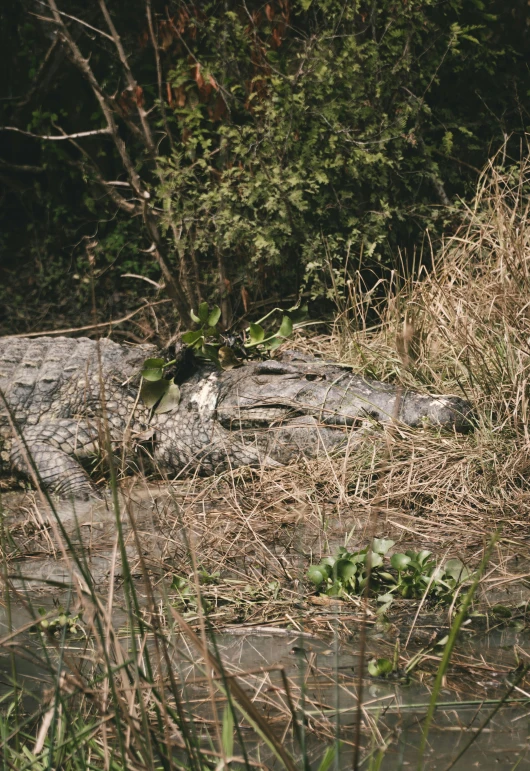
column 275, row 411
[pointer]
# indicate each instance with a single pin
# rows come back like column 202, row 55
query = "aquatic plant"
column 409, row 575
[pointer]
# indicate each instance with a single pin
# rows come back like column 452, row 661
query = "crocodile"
column 64, row 401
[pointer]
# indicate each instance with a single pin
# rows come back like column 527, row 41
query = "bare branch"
column 129, row 206
column 143, row 278
column 158, row 71
column 132, row 83
column 140, row 190
column 17, row 167
column 54, row 137
column 120, row 201
column 73, row 18
column 82, row 63
column 48, row 332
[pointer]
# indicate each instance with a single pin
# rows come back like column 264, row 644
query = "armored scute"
column 63, row 401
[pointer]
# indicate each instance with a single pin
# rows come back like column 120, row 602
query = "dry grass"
column 232, row 551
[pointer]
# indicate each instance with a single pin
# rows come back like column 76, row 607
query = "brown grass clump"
column 461, row 327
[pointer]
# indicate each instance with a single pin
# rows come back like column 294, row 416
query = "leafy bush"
column 291, row 138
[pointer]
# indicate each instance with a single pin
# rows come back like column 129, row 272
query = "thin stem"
column 449, row 646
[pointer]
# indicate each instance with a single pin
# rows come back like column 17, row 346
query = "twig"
column 24, row 169
column 119, row 200
column 60, row 137
column 158, row 71
column 157, row 249
column 47, row 333
column 73, row 18
column 132, row 84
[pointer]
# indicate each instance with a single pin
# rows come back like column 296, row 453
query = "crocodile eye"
column 313, row 376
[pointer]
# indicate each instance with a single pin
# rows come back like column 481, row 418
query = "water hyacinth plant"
column 410, row 575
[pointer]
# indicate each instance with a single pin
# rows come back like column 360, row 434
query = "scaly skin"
column 66, row 395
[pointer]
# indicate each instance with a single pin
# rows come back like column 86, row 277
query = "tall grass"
column 147, row 685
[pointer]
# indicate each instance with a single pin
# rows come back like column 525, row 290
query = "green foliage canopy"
column 291, row 135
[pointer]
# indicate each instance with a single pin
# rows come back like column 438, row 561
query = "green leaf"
column 306, row 4
column 257, row 333
column 423, row 556
column 437, row 576
column 298, row 313
column 210, row 352
column 191, row 338
column 153, row 369
column 377, row 560
column 286, row 327
column 214, row 316
column 170, row 400
column 273, row 344
column 359, row 557
column 194, row 317
column 316, row 574
column 329, row 757
column 400, row 561
column 204, row 312
column 379, row 667
column 227, row 734
column 387, row 577
column 153, row 390
column 382, row 545
column 326, row 568
column 335, row 590
column 456, row 570
column 345, row 569
column 501, row 611
column 386, row 601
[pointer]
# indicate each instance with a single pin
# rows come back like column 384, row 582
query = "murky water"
column 486, row 656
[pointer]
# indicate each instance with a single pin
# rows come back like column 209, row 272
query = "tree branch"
column 158, row 247
column 82, row 63
column 56, row 138
column 120, row 201
column 73, row 18
column 158, row 72
column 48, row 332
column 132, row 83
column 24, row 169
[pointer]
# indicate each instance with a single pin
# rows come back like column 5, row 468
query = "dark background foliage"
column 294, row 140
